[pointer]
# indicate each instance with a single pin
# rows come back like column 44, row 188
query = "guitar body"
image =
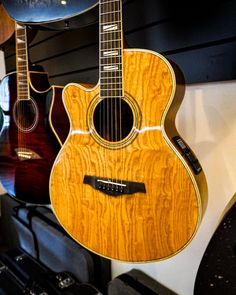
column 7, row 26
column 161, row 215
column 27, row 144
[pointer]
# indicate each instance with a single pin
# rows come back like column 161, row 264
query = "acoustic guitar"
column 125, row 185
column 28, row 146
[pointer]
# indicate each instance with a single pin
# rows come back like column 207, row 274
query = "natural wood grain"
column 7, row 26
column 138, row 227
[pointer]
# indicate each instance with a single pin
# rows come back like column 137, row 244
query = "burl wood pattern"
column 26, row 180
column 143, row 226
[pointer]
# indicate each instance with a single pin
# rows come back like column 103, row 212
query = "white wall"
column 207, row 122
column 2, row 74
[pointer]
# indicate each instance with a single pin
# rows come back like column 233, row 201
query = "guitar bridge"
column 114, row 187
column 26, row 154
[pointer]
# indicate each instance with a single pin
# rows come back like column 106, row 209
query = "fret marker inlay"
column 20, row 41
column 110, row 53
column 112, row 27
column 111, row 68
column 19, row 26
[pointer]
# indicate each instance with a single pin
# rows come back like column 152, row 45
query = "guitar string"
column 122, row 82
column 109, row 19
column 113, row 91
column 113, row 87
column 101, row 117
column 101, row 110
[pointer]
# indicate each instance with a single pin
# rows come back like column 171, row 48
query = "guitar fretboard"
column 21, row 62
column 111, row 46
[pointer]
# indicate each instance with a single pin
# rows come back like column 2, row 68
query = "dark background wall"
column 199, row 36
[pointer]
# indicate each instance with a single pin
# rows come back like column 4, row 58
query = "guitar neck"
column 111, row 48
column 22, row 61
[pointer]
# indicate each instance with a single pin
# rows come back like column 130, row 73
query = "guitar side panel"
column 26, row 158
column 138, row 227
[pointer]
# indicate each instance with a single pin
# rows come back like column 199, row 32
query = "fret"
column 111, row 36
column 21, row 46
column 20, row 35
column 109, row 23
column 110, row 7
column 106, row 33
column 115, row 59
column 112, row 48
column 116, row 65
column 114, row 40
column 110, row 45
column 111, row 96
column 105, row 19
column 109, row 12
column 108, row 1
column 114, row 84
column 22, row 84
column 111, row 89
column 22, row 90
column 109, row 74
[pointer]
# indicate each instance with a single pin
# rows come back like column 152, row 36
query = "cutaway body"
column 28, row 146
column 161, row 213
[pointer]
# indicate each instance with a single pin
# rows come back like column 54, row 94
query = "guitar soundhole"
column 113, row 119
column 25, row 114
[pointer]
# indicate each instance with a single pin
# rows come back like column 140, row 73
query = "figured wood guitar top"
column 131, row 227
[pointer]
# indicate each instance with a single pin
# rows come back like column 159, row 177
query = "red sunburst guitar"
column 125, row 185
column 28, row 146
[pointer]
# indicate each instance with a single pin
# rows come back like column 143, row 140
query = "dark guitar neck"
column 28, row 146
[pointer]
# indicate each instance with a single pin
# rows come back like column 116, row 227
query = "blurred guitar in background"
column 28, row 146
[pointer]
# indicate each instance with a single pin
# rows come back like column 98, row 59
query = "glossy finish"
column 58, row 117
column 7, row 26
column 144, row 226
column 54, row 14
column 26, row 158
